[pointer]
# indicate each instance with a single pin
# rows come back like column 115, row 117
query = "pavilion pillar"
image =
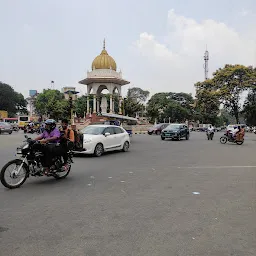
column 111, row 104
column 120, row 105
column 98, row 104
column 94, row 104
column 88, row 104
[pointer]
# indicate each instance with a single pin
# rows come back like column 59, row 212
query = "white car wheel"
column 99, row 150
column 126, row 146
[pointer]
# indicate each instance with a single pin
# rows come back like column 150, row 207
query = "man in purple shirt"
column 50, row 135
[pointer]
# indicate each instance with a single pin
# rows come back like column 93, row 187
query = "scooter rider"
column 210, row 129
column 50, row 135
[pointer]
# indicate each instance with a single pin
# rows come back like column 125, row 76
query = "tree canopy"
column 12, row 101
column 249, row 109
column 207, row 102
column 52, row 103
column 230, row 82
column 169, row 104
column 137, row 94
column 134, row 101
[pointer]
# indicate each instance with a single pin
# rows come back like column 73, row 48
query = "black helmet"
column 51, row 123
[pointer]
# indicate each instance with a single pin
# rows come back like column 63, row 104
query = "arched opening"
column 103, row 101
column 102, row 89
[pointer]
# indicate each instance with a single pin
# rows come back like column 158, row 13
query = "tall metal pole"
column 206, row 59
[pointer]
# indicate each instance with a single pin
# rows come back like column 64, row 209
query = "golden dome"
column 104, row 61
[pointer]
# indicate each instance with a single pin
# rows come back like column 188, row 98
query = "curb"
column 141, row 133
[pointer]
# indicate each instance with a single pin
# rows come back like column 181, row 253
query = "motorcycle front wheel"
column 8, row 175
column 223, row 140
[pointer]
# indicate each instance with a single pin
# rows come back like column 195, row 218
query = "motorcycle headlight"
column 19, row 151
column 25, row 147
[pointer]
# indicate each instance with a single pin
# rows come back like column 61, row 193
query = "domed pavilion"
column 103, row 76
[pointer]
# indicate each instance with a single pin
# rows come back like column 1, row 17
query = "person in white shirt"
column 210, row 128
column 234, row 131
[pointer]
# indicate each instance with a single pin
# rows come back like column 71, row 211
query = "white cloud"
column 244, row 12
column 178, row 63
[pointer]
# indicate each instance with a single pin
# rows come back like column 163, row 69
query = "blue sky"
column 158, row 45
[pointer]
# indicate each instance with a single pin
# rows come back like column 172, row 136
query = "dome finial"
column 104, row 44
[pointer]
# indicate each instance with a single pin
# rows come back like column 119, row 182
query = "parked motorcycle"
column 30, row 164
column 227, row 137
column 210, row 135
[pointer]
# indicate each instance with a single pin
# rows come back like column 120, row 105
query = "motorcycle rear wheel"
column 62, row 175
column 223, row 140
column 24, row 168
column 240, row 142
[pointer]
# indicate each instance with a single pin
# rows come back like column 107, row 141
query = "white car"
column 98, row 139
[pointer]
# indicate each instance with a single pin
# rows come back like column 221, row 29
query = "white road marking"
column 196, row 193
column 122, row 181
column 110, row 177
column 217, row 167
column 131, row 172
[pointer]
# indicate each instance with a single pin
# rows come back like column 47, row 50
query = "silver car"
column 5, row 128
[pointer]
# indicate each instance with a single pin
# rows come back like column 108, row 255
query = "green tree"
column 174, row 105
column 80, row 106
column 131, row 107
column 52, row 103
column 137, row 94
column 133, row 103
column 230, row 82
column 207, row 101
column 249, row 109
column 11, row 101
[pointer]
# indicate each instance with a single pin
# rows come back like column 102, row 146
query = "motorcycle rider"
column 67, row 139
column 50, row 135
column 235, row 131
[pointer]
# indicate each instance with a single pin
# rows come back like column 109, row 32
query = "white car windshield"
column 94, row 130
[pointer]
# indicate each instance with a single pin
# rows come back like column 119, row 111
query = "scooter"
column 227, row 137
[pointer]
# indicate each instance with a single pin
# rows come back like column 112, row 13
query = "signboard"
column 32, row 93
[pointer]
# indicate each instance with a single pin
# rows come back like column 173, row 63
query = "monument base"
column 94, row 118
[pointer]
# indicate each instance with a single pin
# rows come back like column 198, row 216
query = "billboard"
column 32, row 93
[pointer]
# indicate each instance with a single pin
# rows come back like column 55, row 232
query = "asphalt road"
column 137, row 203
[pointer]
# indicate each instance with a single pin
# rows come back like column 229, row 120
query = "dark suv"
column 175, row 132
column 157, row 129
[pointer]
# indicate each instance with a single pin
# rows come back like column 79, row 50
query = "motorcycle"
column 227, row 137
column 15, row 128
column 30, row 164
column 31, row 130
column 210, row 135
